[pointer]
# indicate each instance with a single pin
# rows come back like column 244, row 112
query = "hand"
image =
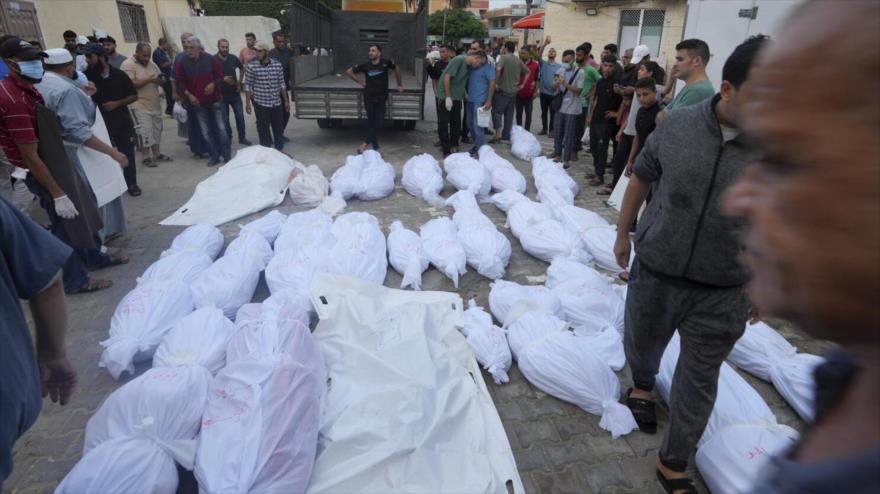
column 158, row 80
column 400, row 89
column 229, row 80
column 287, row 106
column 487, row 106
column 89, row 89
column 64, row 207
column 209, row 89
column 58, row 379
column 754, row 315
column 628, row 171
column 247, row 108
column 193, row 100
column 448, row 103
column 610, row 114
column 622, row 248
column 361, row 83
column 121, row 159
column 110, row 106
column 619, row 135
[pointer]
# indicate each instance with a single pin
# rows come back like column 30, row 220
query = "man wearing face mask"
column 63, row 194
column 687, row 276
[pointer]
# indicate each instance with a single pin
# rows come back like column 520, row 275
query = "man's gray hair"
column 195, row 42
column 222, row 40
column 140, row 46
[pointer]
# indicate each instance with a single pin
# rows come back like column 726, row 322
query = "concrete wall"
column 349, row 50
column 211, row 28
column 568, row 26
column 82, row 16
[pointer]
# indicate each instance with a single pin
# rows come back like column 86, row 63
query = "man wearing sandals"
column 147, row 110
column 687, row 275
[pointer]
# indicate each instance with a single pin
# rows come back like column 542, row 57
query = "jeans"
column 375, row 120
column 169, row 98
column 75, row 272
column 238, row 111
column 502, row 107
column 524, row 104
column 270, row 123
column 564, row 138
column 449, row 125
column 621, row 156
column 709, row 321
column 601, row 133
column 125, row 145
column 476, row 130
column 211, row 117
column 545, row 109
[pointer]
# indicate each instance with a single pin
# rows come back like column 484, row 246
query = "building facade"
column 476, row 7
column 656, row 23
column 499, row 23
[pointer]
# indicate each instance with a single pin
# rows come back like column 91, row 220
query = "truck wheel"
column 409, row 125
column 324, row 123
column 336, row 123
column 398, row 125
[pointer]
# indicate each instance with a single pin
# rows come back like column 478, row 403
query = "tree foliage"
column 459, row 24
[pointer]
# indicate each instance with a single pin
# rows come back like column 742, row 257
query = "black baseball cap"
column 108, row 38
column 20, row 49
column 94, row 49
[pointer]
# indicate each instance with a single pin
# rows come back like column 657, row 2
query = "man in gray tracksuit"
column 687, row 275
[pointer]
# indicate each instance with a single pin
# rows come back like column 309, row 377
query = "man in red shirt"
column 198, row 77
column 19, row 138
column 528, row 89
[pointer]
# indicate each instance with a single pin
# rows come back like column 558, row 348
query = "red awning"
column 533, row 21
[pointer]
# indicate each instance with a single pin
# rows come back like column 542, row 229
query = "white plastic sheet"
column 440, row 243
column 505, row 199
column 103, row 172
column 548, row 239
column 765, row 353
column 199, row 338
column 201, row 237
column 256, row 177
column 488, row 342
column 293, row 269
column 183, row 266
column 487, row 250
column 731, row 460
column 305, row 231
column 133, row 441
column 232, row 280
column 549, row 173
column 523, row 214
column 564, row 365
column 466, row 173
column 523, row 144
column 267, row 225
column 140, row 321
column 585, row 295
column 737, row 402
column 406, row 397
column 406, row 255
column 509, row 300
column 423, row 178
column 504, row 176
column 309, row 187
column 366, row 176
column 599, row 242
column 251, row 245
column 359, row 250
column 272, row 331
column 260, row 427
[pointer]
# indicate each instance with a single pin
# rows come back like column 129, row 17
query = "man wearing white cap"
column 80, row 59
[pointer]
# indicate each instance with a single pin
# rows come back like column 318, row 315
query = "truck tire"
column 324, row 123
column 336, row 123
column 398, row 125
column 409, row 125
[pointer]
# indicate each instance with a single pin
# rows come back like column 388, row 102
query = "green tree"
column 459, row 24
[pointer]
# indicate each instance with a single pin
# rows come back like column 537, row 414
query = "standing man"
column 546, row 76
column 434, row 68
column 162, row 59
column 246, row 54
column 115, row 92
column 30, row 269
column 480, row 88
column 691, row 58
column 19, row 102
column 375, row 87
column 603, row 119
column 113, row 58
column 284, row 55
column 147, row 110
column 570, row 81
column 70, row 43
column 529, row 91
column 198, row 77
column 473, row 48
column 231, row 90
column 266, row 93
column 687, row 275
column 450, row 97
column 508, row 72
column 582, row 57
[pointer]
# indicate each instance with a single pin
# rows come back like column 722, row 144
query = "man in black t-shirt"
column 375, row 87
column 284, row 55
column 646, row 92
column 603, row 120
column 231, row 90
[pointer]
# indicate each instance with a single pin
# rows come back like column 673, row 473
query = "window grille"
column 641, row 27
column 134, row 22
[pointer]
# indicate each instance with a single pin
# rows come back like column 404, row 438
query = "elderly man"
column 198, row 77
column 73, row 217
column 267, row 94
column 147, row 110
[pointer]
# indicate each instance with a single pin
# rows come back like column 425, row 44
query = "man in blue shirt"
column 546, row 76
column 480, row 89
column 162, row 59
column 30, row 268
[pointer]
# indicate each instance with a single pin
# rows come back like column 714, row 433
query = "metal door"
column 19, row 18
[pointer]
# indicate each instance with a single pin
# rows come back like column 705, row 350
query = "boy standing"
column 646, row 92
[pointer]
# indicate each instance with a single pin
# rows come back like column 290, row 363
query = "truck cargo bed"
column 338, row 97
column 342, row 82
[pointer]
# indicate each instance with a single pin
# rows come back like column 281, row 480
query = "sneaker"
column 466, row 140
column 543, row 132
column 286, row 139
column 149, row 163
column 437, row 144
column 473, row 151
column 213, row 162
column 245, row 142
column 134, row 191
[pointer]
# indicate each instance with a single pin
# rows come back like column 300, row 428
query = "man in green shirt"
column 507, row 76
column 450, row 93
column 591, row 77
column 691, row 58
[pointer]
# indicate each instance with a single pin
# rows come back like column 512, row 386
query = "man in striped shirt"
column 267, row 94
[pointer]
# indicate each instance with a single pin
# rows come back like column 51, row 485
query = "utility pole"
column 445, row 11
column 528, row 12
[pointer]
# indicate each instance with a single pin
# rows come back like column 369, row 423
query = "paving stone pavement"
column 559, row 448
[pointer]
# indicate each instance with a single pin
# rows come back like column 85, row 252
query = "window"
column 134, row 22
column 641, row 27
column 374, row 36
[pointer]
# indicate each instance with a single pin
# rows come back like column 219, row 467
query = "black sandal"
column 643, row 412
column 91, row 286
column 671, row 485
